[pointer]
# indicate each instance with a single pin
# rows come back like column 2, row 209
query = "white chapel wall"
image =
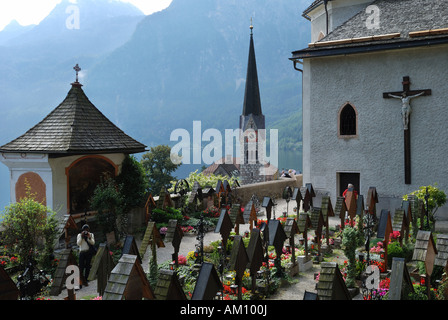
column 377, row 152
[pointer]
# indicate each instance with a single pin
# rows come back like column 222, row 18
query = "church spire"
column 252, row 103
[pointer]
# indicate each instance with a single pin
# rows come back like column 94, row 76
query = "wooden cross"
column 406, row 95
column 77, row 69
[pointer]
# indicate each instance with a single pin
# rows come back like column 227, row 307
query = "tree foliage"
column 132, row 182
column 29, row 226
column 158, row 168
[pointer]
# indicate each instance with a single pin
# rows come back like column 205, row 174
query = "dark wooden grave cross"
column 406, row 95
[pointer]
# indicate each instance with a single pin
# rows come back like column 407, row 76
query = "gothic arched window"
column 348, row 121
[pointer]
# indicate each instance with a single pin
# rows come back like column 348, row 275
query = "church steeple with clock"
column 251, row 122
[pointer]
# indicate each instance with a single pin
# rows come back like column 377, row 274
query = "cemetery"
column 260, row 250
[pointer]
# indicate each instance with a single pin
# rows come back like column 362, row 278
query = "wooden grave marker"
column 308, row 295
column 174, row 234
column 255, row 255
column 297, row 197
column 425, row 250
column 224, row 226
column 130, row 247
column 168, row 286
column 331, row 285
column 360, row 206
column 164, row 199
column 209, row 196
column 327, row 211
column 304, row 224
column 400, row 280
column 307, row 196
column 250, row 215
column 277, row 237
column 406, row 206
column 400, row 223
column 317, row 222
column 208, row 283
column 384, row 229
column 149, row 206
column 236, row 217
column 238, row 262
column 102, row 267
column 372, row 200
column 340, row 210
column 67, row 223
column 8, row 289
column 67, row 259
column 291, row 229
column 351, row 203
column 196, row 198
column 418, row 211
column 442, row 251
column 152, row 236
column 268, row 204
column 128, row 281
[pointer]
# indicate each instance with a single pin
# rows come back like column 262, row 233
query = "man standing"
column 85, row 240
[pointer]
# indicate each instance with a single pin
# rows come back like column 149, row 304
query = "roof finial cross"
column 251, row 25
column 77, row 69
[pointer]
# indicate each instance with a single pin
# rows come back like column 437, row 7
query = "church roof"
column 76, row 126
column 401, row 24
column 252, row 103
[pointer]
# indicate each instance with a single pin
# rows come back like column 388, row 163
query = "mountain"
column 153, row 74
column 190, row 61
column 13, row 30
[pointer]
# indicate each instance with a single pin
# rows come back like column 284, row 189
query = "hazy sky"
column 28, row 12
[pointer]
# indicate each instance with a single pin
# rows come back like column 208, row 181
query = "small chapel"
column 67, row 154
column 374, row 97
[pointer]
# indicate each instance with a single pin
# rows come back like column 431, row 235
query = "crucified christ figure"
column 406, row 106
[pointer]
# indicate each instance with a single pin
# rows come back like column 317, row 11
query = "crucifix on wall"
column 405, row 96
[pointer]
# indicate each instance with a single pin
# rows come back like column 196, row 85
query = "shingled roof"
column 403, row 24
column 76, row 126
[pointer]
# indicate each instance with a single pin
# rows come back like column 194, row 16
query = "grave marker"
column 297, row 197
column 174, row 235
column 250, row 215
column 400, row 280
column 238, row 262
column 317, row 222
column 267, row 204
column 442, row 251
column 67, row 259
column 128, row 281
column 67, row 223
column 207, row 284
column 168, row 286
column 372, row 200
column 350, row 202
column 307, row 196
column 255, row 255
column 164, row 199
column 425, row 250
column 400, row 224
column 149, row 206
column 327, row 211
column 291, row 229
column 236, row 216
column 304, row 223
column 331, row 285
column 384, row 229
column 340, row 210
column 224, row 226
column 130, row 247
column 151, row 236
column 102, row 267
column 8, row 289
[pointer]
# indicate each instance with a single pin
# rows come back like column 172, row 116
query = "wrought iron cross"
column 77, row 69
column 406, row 95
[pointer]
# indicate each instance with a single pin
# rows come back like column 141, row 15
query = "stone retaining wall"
column 273, row 189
